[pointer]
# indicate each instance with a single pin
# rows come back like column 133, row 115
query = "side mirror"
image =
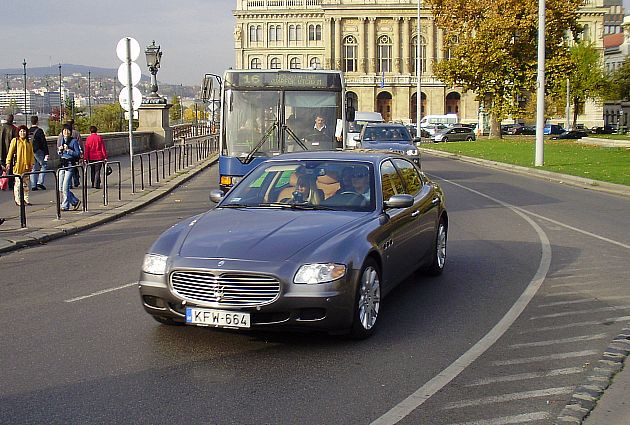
column 399, row 201
column 206, row 88
column 216, row 195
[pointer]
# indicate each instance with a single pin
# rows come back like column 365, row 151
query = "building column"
column 431, row 44
column 406, row 44
column 328, row 44
column 371, row 43
column 338, row 55
column 396, row 46
column 361, row 49
column 439, row 45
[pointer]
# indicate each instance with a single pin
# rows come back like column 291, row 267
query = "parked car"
column 389, row 137
column 607, row 129
column 505, row 128
column 553, row 129
column 454, row 134
column 313, row 260
column 571, row 134
column 431, row 129
column 522, row 129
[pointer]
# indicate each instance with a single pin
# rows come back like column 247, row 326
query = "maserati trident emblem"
column 221, row 263
column 218, row 292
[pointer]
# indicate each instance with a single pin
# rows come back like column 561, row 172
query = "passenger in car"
column 308, row 191
column 361, row 181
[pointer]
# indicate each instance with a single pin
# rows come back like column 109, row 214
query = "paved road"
column 76, row 346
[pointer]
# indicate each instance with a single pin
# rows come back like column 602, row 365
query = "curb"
column 614, row 188
column 585, row 397
column 41, row 236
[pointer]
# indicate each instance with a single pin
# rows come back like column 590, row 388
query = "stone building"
column 375, row 43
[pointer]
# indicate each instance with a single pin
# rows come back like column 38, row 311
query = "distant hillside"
column 66, row 69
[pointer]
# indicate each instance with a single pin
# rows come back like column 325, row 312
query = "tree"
column 493, row 49
column 109, row 118
column 586, row 81
column 617, row 85
column 175, row 113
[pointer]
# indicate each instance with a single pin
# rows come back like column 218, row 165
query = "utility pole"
column 419, row 75
column 90, row 92
column 568, row 104
column 540, row 89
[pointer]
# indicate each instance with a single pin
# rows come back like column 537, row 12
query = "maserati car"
column 309, row 240
column 389, row 137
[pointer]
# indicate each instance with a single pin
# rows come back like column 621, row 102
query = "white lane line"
column 571, row 313
column 515, row 419
column 577, row 324
column 557, row 356
column 422, row 394
column 587, row 300
column 559, row 341
column 104, row 291
column 562, row 285
column 524, row 376
column 524, row 395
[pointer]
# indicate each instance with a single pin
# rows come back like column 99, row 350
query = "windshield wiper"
column 262, row 141
column 235, row 205
column 295, row 206
column 297, row 139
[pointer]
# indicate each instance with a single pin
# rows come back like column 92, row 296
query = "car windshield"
column 308, row 184
column 387, row 134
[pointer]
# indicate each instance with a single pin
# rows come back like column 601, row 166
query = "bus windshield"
column 286, row 120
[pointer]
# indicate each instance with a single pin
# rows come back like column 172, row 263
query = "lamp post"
column 419, row 75
column 60, row 97
column 154, row 56
column 90, row 92
column 540, row 87
column 25, row 104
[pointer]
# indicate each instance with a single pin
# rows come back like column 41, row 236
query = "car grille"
column 227, row 289
column 397, row 151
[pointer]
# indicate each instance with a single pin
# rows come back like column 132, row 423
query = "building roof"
column 613, row 40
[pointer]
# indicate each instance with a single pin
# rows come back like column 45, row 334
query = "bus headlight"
column 319, row 273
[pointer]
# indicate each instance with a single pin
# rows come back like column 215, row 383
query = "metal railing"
column 21, row 178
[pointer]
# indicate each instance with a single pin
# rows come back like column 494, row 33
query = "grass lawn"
column 561, row 156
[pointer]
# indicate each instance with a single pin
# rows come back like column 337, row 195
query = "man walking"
column 40, row 149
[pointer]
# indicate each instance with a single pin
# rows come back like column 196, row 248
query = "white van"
column 448, row 119
column 360, row 119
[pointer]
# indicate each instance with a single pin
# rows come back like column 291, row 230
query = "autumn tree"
column 175, row 113
column 618, row 83
column 586, row 81
column 493, row 49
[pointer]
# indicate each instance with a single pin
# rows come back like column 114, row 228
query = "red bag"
column 4, row 183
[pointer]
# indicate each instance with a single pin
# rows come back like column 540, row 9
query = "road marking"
column 571, row 313
column 508, row 397
column 577, row 324
column 515, row 419
column 559, row 341
column 104, row 291
column 524, row 376
column 562, row 285
column 587, row 300
column 557, row 356
column 422, row 394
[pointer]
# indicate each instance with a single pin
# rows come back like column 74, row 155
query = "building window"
column 384, row 54
column 255, row 63
column 350, row 54
column 586, row 34
column 315, row 32
column 295, row 32
column 274, row 63
column 423, row 54
column 294, row 63
column 315, row 63
column 255, row 33
column 451, row 43
column 275, row 33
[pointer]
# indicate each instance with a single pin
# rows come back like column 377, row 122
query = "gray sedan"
column 454, row 134
column 306, row 240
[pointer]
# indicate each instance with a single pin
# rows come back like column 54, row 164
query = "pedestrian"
column 21, row 157
column 95, row 153
column 40, row 150
column 76, row 136
column 8, row 133
column 69, row 153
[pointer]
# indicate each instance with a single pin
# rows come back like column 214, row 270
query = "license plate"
column 217, row 318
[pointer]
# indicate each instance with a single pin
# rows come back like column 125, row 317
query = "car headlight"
column 154, row 264
column 412, row 152
column 319, row 273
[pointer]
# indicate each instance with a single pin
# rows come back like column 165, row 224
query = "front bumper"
column 327, row 306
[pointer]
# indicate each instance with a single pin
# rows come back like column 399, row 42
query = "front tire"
column 469, row 139
column 367, row 301
column 445, row 139
column 439, row 251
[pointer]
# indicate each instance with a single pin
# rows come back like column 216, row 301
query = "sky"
column 196, row 36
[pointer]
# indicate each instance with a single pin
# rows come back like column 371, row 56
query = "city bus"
column 268, row 112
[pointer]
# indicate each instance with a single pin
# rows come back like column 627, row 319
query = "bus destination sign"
column 283, row 80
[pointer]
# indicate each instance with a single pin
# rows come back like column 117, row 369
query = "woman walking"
column 69, row 153
column 95, row 152
column 21, row 155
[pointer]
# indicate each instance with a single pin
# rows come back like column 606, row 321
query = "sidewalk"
column 41, row 218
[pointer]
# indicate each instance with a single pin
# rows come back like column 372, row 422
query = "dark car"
column 281, row 250
column 454, row 134
column 522, row 129
column 607, row 129
column 571, row 134
column 389, row 137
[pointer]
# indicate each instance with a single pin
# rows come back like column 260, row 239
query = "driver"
column 321, row 133
column 361, row 181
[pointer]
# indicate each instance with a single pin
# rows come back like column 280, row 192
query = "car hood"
column 386, row 146
column 260, row 234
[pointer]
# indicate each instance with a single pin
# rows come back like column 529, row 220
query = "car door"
column 399, row 230
column 424, row 211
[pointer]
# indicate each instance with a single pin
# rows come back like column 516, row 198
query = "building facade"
column 375, row 43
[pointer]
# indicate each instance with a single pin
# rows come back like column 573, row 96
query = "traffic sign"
column 121, row 49
column 136, row 74
column 123, row 98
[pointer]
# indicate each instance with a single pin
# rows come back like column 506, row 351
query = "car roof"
column 385, row 125
column 355, row 155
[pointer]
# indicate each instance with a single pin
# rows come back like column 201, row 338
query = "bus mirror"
column 350, row 113
column 206, row 88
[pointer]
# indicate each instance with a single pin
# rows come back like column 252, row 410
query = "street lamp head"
column 154, row 56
